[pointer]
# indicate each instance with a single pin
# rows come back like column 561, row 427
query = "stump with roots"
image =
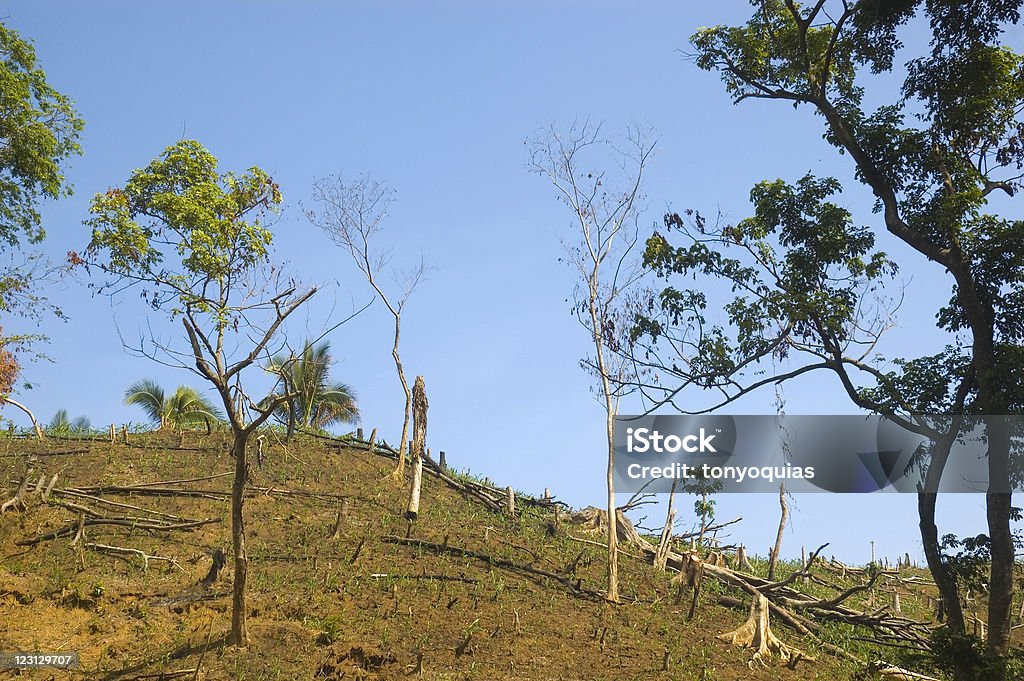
column 756, row 633
column 595, row 520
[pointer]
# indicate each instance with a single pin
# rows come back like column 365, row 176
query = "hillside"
column 505, row 598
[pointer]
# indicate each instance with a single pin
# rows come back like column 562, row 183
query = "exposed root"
column 18, row 500
column 756, row 633
column 595, row 520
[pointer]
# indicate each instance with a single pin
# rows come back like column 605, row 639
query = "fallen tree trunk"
column 573, row 586
column 132, row 523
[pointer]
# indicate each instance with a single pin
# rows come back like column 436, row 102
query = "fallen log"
column 568, row 583
column 134, row 524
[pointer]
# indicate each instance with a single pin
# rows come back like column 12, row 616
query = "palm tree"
column 185, row 408
column 61, row 424
column 317, row 403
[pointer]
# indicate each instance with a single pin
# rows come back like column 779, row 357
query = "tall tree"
column 183, row 408
column 352, row 215
column 193, row 239
column 805, row 273
column 316, row 402
column 600, row 181
column 39, row 131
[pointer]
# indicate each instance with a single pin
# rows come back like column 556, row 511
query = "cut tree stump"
column 18, row 500
column 756, row 633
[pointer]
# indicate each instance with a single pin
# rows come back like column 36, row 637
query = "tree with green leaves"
column 39, row 131
column 316, row 402
column 193, row 239
column 184, row 408
column 807, row 276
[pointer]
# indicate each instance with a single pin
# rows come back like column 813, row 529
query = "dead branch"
column 893, row 672
column 490, row 560
column 440, row 578
column 120, row 550
column 35, row 424
column 806, row 571
column 176, row 482
column 710, row 529
column 123, row 522
column 116, row 504
column 139, row 490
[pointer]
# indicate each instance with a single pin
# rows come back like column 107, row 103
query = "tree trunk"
column 399, row 472
column 665, row 542
column 612, row 519
column 778, row 537
column 35, row 424
column 291, row 421
column 944, row 580
column 419, row 439
column 239, row 631
column 610, row 411
column 999, row 503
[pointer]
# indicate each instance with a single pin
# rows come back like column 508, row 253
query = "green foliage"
column 318, row 403
column 805, row 278
column 952, row 652
column 800, row 270
column 803, row 273
column 186, row 230
column 63, row 425
column 704, row 503
column 40, row 130
column 185, row 408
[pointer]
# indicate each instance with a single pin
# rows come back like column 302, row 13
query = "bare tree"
column 351, row 214
column 605, row 210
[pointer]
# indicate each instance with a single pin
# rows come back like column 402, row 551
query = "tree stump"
column 742, row 563
column 756, row 633
column 418, row 445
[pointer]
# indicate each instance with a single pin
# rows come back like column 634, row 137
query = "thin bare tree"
column 352, row 214
column 599, row 179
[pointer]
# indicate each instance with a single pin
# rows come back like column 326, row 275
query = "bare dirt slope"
column 358, row 605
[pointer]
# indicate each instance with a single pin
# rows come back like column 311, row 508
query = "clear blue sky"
column 437, row 98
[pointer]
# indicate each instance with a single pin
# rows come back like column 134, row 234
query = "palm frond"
column 317, row 403
column 148, row 395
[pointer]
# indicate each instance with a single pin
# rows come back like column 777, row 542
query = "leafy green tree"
column 805, row 274
column 193, row 240
column 184, row 408
column 39, row 131
column 315, row 401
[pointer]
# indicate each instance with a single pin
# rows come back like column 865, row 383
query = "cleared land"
column 349, row 599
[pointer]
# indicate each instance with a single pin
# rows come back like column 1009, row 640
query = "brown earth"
column 352, row 607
